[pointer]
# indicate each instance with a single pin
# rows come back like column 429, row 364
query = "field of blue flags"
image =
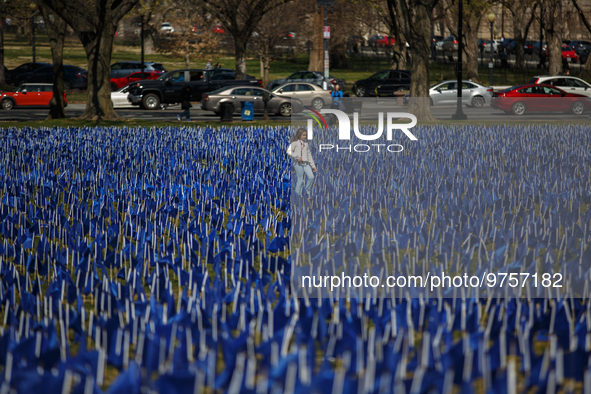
column 136, row 260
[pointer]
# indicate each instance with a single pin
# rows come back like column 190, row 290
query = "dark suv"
column 123, row 69
column 383, row 83
column 74, row 77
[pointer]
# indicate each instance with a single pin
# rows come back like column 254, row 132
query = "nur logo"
column 345, row 129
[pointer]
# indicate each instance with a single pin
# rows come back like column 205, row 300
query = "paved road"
column 75, row 110
column 439, row 112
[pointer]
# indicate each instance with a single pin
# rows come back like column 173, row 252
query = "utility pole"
column 326, row 30
column 460, row 115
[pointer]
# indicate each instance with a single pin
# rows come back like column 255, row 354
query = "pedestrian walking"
column 185, row 103
column 209, row 64
column 303, row 163
column 337, row 96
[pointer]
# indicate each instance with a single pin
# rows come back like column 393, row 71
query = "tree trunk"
column 2, row 76
column 267, row 66
column 98, row 51
column 55, row 28
column 338, row 55
column 554, row 38
column 149, row 47
column 421, row 50
column 316, row 43
column 471, row 52
column 586, row 71
column 399, row 53
column 240, row 53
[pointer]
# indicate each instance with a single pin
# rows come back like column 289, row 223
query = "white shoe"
column 178, row 117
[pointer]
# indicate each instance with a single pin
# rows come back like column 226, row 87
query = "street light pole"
column 326, row 32
column 491, row 19
column 460, row 115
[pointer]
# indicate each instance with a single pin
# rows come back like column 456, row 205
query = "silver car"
column 236, row 95
column 307, row 93
column 446, row 92
column 313, row 77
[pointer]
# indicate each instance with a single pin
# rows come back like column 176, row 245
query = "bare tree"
column 522, row 21
column 95, row 23
column 153, row 12
column 240, row 18
column 55, row 27
column 417, row 15
column 191, row 38
column 553, row 27
column 271, row 32
column 586, row 72
column 473, row 13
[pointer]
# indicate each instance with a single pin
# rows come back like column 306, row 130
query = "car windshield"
column 125, row 89
column 158, row 67
column 218, row 91
column 566, row 48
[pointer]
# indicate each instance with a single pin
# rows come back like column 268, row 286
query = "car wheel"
column 113, row 87
column 67, row 85
column 163, row 106
column 519, row 108
column 317, row 103
column 577, row 108
column 361, row 91
column 401, row 89
column 7, row 104
column 285, row 109
column 151, row 101
column 478, row 102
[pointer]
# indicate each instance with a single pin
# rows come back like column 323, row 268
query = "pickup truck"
column 149, row 94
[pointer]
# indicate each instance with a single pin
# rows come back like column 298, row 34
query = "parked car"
column 120, row 99
column 123, row 69
column 508, row 44
column 450, row 44
column 381, row 41
column 279, row 105
column 166, row 28
column 582, row 49
column 496, row 45
column 578, row 44
column 315, row 77
column 13, row 77
column 29, row 95
column 118, row 83
column 167, row 89
column 528, row 98
column 528, row 47
column 565, row 82
column 473, row 94
column 383, row 83
column 568, row 54
column 74, row 77
column 309, row 94
column 536, row 48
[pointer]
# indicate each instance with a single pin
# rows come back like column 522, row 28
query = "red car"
column 118, row 83
column 29, row 95
column 568, row 54
column 539, row 98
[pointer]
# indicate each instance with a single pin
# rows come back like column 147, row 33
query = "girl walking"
column 303, row 163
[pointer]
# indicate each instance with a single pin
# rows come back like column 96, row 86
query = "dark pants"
column 187, row 114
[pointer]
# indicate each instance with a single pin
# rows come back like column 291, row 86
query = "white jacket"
column 301, row 149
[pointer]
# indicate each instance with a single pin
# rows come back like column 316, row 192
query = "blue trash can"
column 247, row 110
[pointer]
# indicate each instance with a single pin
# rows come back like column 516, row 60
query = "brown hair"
column 298, row 134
